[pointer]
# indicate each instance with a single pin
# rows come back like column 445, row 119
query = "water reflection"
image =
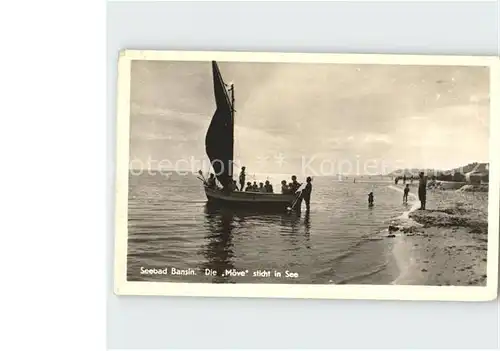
column 219, row 248
column 220, row 225
column 307, row 225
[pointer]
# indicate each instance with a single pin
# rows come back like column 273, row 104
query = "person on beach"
column 406, row 192
column 242, row 178
column 370, row 199
column 422, row 190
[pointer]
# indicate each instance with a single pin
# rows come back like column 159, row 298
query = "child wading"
column 405, row 195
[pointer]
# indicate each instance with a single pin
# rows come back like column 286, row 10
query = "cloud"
column 300, row 109
column 377, row 138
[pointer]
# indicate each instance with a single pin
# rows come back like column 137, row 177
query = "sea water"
column 341, row 240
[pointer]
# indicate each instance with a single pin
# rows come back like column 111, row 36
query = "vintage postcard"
column 307, row 175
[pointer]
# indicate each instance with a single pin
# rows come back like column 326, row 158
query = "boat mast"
column 232, row 99
column 232, row 124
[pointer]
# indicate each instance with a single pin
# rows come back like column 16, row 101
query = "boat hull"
column 247, row 199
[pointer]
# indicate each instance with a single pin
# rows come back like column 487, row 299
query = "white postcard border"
column 303, row 291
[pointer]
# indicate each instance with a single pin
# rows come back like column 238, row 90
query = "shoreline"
column 446, row 244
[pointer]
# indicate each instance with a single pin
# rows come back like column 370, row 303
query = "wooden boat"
column 249, row 199
column 219, row 146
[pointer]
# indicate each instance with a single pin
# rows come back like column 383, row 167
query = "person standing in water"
column 370, row 199
column 422, row 190
column 406, row 192
column 306, row 193
column 295, row 185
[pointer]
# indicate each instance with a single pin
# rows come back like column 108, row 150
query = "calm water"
column 340, row 241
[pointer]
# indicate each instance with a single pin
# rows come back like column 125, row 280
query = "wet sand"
column 446, row 244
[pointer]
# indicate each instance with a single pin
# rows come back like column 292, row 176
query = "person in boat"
column 255, row 187
column 211, row 181
column 284, row 187
column 269, row 187
column 230, row 187
column 422, row 190
column 295, row 184
column 261, row 188
column 306, row 193
column 249, row 187
column 242, row 177
column 370, row 199
column 406, row 192
column 234, row 186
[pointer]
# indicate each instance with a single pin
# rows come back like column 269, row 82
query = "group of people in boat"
column 267, row 187
column 290, row 188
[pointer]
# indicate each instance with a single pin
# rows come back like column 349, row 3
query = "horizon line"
column 336, row 174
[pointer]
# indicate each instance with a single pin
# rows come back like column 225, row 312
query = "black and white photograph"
column 289, row 174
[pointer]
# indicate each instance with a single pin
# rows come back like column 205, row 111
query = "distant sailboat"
column 219, row 146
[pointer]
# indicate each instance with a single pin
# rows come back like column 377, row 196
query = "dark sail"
column 219, row 140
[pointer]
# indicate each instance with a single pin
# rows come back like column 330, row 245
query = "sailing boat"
column 219, row 146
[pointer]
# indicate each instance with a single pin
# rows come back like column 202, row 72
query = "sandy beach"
column 446, row 244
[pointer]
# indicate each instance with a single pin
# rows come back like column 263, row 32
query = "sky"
column 315, row 118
